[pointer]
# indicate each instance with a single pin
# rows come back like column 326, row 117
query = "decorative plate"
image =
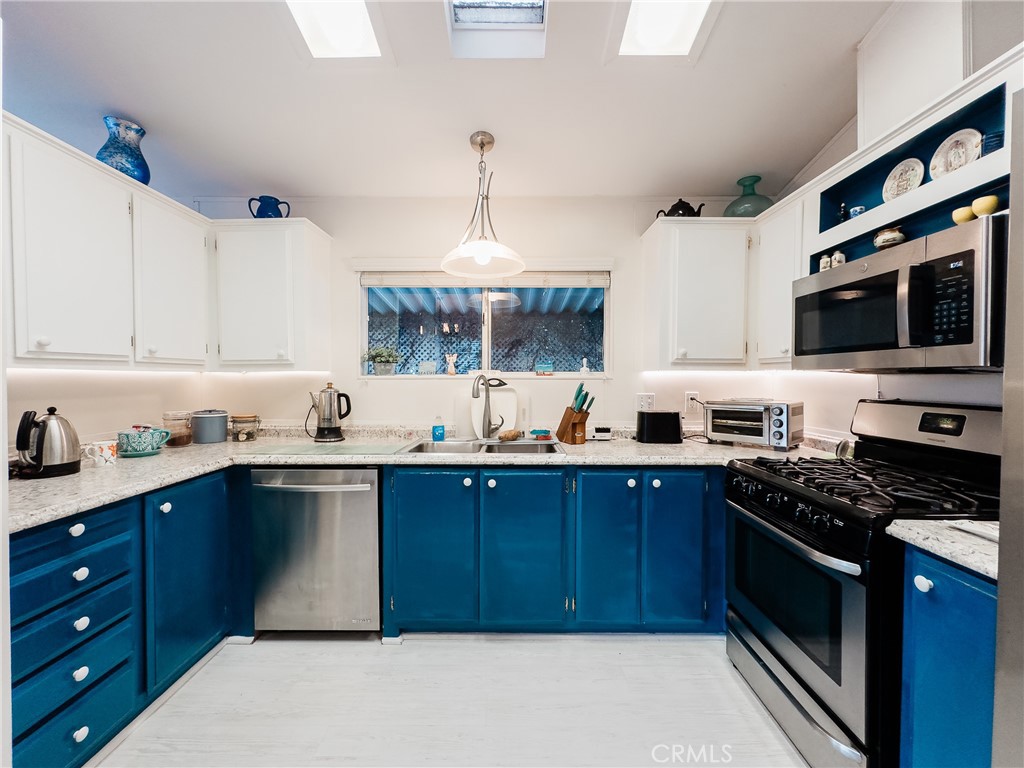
column 958, row 150
column 136, row 454
column 904, row 177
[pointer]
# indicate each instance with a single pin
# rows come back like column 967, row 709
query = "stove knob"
column 776, row 411
column 777, row 435
column 773, row 500
column 777, row 423
column 802, row 513
column 820, row 524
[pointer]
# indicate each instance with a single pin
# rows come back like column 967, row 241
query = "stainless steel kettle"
column 48, row 447
column 327, row 404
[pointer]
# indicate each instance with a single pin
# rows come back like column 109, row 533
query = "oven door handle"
column 834, row 563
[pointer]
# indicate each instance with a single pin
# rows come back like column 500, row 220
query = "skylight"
column 497, row 12
column 335, row 29
column 663, row 27
column 497, row 29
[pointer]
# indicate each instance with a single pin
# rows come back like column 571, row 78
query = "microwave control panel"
column 953, row 308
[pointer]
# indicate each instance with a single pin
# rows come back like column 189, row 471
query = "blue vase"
column 122, row 150
column 749, row 203
column 269, row 207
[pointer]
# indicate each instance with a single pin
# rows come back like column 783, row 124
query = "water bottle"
column 437, row 433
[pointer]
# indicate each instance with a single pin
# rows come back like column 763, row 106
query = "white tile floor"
column 291, row 700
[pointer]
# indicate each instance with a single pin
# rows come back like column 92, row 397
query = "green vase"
column 749, row 203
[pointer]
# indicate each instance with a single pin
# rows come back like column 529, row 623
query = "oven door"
column 808, row 608
column 867, row 314
column 737, row 423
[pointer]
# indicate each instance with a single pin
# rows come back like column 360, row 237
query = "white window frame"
column 522, row 280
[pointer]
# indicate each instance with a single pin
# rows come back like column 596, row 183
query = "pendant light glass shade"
column 482, row 255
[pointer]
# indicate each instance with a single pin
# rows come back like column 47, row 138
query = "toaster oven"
column 771, row 423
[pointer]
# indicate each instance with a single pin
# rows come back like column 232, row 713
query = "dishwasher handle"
column 355, row 487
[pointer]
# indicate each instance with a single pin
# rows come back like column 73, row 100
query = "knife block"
column 572, row 429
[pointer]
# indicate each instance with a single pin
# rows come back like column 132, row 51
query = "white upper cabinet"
column 71, row 254
column 171, row 275
column 273, row 293
column 694, row 293
column 778, row 258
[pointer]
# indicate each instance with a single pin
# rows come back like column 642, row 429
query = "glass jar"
column 179, row 424
column 244, row 427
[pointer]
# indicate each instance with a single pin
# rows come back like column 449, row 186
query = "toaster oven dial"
column 777, row 435
column 777, row 423
column 777, row 411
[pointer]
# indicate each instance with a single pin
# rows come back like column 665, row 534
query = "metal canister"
column 209, row 426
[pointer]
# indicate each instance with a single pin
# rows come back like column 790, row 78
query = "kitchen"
column 556, row 232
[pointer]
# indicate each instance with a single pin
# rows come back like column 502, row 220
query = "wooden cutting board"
column 504, row 403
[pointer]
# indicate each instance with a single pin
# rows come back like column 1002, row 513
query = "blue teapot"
column 268, row 208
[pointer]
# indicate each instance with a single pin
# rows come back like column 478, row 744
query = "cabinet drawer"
column 79, row 731
column 37, row 546
column 47, row 637
column 36, row 590
column 69, row 676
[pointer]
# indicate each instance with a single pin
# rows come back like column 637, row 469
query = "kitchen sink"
column 515, row 447
column 482, row 446
column 446, row 446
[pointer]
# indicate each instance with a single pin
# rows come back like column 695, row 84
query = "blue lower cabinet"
column 523, row 537
column 187, row 548
column 948, row 665
column 608, row 525
column 673, row 541
column 431, row 549
column 77, row 732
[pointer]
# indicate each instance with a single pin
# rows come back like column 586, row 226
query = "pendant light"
column 483, row 256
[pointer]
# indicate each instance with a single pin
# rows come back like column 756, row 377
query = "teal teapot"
column 268, row 208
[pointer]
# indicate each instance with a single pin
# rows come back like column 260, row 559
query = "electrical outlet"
column 645, row 401
column 693, row 402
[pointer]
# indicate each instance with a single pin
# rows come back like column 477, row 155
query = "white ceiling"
column 234, row 105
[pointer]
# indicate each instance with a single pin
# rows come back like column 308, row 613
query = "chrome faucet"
column 488, row 428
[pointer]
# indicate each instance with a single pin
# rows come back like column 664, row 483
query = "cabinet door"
column 170, row 284
column 608, row 548
column 673, row 547
column 435, row 549
column 778, row 258
column 254, row 288
column 708, row 308
column 187, row 571
column 71, row 238
column 948, row 665
column 523, row 548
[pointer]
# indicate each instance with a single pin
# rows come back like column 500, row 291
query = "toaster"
column 658, row 427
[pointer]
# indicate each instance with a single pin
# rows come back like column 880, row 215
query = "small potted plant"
column 383, row 359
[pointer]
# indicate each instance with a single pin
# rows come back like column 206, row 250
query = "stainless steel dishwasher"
column 315, row 549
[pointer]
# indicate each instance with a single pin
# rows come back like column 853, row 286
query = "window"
column 541, row 323
column 497, row 11
column 496, row 29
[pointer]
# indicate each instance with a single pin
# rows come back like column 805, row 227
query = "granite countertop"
column 966, row 543
column 37, row 501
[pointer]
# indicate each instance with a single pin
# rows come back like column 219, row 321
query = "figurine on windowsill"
column 450, row 359
column 843, row 215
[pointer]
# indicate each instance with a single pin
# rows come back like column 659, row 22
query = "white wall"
column 912, row 55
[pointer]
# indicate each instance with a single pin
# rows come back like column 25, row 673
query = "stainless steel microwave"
column 934, row 302
column 772, row 423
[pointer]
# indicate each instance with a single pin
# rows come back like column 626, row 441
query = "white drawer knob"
column 43, row 341
column 923, row 584
column 784, row 351
column 82, row 624
column 166, row 507
column 631, row 483
column 492, row 483
column 656, row 483
column 80, row 674
column 81, row 574
column 151, row 350
column 76, row 530
column 682, row 353
column 281, row 353
column 81, row 734
column 467, row 482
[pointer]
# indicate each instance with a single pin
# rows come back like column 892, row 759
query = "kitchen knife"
column 578, row 403
column 587, row 409
column 576, row 396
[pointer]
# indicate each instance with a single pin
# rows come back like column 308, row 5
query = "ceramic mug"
column 130, row 441
column 102, row 453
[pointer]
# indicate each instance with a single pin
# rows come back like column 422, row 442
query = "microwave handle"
column 910, row 304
